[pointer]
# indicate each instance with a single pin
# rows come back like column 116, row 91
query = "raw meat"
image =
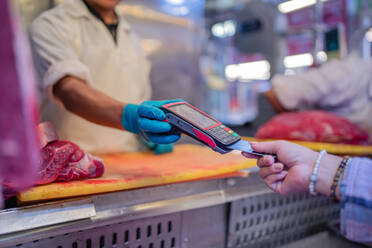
column 87, row 167
column 317, row 126
column 54, row 158
column 63, row 160
column 19, row 149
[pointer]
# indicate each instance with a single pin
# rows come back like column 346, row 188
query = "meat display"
column 63, row 160
column 316, row 125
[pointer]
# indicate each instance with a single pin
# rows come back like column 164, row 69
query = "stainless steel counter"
column 213, row 213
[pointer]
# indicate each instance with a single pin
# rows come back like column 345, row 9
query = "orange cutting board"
column 143, row 169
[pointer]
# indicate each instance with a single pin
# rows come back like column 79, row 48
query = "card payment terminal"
column 189, row 120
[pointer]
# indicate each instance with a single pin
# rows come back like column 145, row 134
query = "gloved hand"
column 147, row 120
column 158, row 148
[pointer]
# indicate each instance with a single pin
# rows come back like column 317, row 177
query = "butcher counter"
column 206, row 211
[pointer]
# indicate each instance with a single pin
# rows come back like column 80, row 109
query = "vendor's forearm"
column 88, row 103
column 274, row 101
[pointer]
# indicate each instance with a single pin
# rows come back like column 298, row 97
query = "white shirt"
column 69, row 40
column 341, row 87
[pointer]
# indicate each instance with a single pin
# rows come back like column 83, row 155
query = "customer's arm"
column 291, row 173
column 356, row 201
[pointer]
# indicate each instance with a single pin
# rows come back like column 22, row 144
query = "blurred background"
column 220, row 55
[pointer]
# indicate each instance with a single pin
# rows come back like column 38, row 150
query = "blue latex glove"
column 147, row 120
column 158, row 148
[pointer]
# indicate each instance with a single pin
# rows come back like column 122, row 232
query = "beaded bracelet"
column 337, row 176
column 314, row 175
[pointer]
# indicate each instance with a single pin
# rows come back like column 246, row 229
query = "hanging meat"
column 19, row 148
column 316, row 125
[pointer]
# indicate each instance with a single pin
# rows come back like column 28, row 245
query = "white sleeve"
column 147, row 92
column 54, row 53
column 332, row 85
column 146, row 68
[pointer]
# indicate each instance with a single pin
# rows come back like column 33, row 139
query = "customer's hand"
column 291, row 173
column 147, row 120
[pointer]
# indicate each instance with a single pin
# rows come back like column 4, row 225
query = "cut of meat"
column 63, row 160
column 87, row 167
column 54, row 158
column 316, row 125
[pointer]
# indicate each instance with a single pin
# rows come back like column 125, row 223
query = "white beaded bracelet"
column 314, row 175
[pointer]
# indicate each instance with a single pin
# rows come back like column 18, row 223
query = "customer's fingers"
column 273, row 181
column 267, row 146
column 250, row 155
column 274, row 169
column 265, row 161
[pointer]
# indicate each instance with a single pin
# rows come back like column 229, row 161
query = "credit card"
column 241, row 145
column 245, row 146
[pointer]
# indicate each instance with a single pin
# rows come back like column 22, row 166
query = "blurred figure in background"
column 341, row 87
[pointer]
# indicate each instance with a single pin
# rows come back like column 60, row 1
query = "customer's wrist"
column 326, row 172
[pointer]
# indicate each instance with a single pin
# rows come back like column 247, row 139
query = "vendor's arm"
column 66, row 81
column 274, row 101
column 63, row 78
column 145, row 119
column 332, row 86
column 83, row 100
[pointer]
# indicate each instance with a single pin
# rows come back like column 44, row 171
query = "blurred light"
column 258, row 70
column 299, row 60
column 229, row 27
column 293, row 5
column 368, row 35
column 321, row 57
column 179, row 11
column 218, row 30
column 175, row 2
column 224, row 29
column 289, row 72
